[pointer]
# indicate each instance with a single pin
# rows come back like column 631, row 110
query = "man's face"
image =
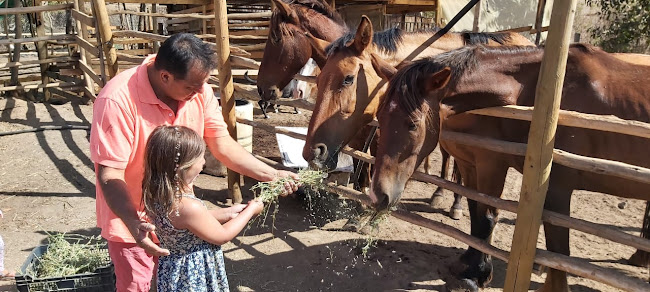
column 185, row 89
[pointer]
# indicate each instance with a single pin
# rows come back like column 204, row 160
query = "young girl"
column 192, row 233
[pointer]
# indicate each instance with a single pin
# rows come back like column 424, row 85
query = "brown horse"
column 437, row 92
column 287, row 48
column 349, row 89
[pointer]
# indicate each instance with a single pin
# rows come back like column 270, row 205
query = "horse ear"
column 363, row 37
column 437, row 80
column 385, row 70
column 318, row 45
column 285, row 9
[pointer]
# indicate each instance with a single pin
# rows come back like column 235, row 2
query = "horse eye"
column 348, row 80
column 412, row 126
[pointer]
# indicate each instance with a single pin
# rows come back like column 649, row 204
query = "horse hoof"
column 463, row 285
column 456, row 214
column 436, row 201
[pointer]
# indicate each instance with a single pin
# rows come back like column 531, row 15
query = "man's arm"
column 113, row 186
column 235, row 157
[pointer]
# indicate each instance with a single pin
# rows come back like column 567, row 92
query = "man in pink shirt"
column 167, row 89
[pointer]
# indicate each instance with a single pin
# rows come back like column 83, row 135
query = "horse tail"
column 251, row 80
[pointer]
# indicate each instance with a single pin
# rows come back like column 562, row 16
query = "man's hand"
column 291, row 185
column 140, row 231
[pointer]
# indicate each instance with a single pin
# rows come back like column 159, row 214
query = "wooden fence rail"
column 557, row 261
column 34, row 9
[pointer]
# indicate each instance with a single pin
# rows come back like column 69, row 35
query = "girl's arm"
column 224, row 215
column 198, row 219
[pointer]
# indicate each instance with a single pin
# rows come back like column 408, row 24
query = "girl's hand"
column 235, row 210
column 256, row 206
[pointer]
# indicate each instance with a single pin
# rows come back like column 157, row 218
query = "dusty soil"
column 47, row 184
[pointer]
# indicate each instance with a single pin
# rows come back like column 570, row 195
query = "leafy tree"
column 624, row 26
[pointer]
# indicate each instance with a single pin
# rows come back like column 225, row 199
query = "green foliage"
column 624, row 26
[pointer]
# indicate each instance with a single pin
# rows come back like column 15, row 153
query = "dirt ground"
column 47, row 184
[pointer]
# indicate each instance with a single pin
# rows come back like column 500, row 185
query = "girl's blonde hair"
column 170, row 151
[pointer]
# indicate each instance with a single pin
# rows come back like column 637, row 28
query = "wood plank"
column 94, row 50
column 161, row 38
column 175, row 16
column 35, row 9
column 83, row 17
column 122, row 57
column 36, row 39
column 138, row 51
column 90, row 73
column 573, row 119
column 264, row 23
column 35, row 86
column 248, row 16
column 256, row 32
column 44, row 61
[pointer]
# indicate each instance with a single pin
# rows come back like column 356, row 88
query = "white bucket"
column 244, row 110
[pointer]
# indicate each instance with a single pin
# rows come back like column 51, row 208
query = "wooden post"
column 98, row 36
column 82, row 31
column 204, row 23
column 104, row 28
column 477, row 16
column 41, row 49
column 541, row 4
column 154, row 28
column 15, row 55
column 226, row 88
column 539, row 154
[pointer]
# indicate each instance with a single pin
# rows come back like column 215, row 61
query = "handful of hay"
column 269, row 192
column 70, row 255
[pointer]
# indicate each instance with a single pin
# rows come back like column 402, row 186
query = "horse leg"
column 558, row 199
column 436, row 198
column 295, row 110
column 456, row 211
column 642, row 258
column 489, row 179
column 263, row 105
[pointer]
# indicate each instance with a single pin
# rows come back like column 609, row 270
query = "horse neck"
column 321, row 26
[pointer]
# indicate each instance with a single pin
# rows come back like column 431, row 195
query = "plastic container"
column 102, row 279
column 243, row 110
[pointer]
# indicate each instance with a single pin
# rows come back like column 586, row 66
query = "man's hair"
column 182, row 51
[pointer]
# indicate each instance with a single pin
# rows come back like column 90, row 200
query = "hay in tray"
column 70, row 254
column 269, row 192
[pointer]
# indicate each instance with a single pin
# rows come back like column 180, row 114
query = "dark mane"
column 386, row 40
column 476, row 38
column 405, row 85
column 280, row 28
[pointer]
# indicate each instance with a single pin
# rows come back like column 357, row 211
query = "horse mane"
column 281, row 29
column 475, row 38
column 386, row 40
column 405, row 85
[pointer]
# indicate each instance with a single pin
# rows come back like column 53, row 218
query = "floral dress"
column 193, row 264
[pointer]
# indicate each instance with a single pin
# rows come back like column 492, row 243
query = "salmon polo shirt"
column 125, row 113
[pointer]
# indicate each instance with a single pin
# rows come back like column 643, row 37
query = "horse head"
column 287, row 48
column 409, row 122
column 348, row 89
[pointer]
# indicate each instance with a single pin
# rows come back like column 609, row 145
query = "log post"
column 154, row 27
column 104, row 28
column 539, row 154
column 41, row 49
column 226, row 88
column 477, row 17
column 539, row 17
column 82, row 31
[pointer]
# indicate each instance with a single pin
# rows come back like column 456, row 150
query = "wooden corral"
column 101, row 48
